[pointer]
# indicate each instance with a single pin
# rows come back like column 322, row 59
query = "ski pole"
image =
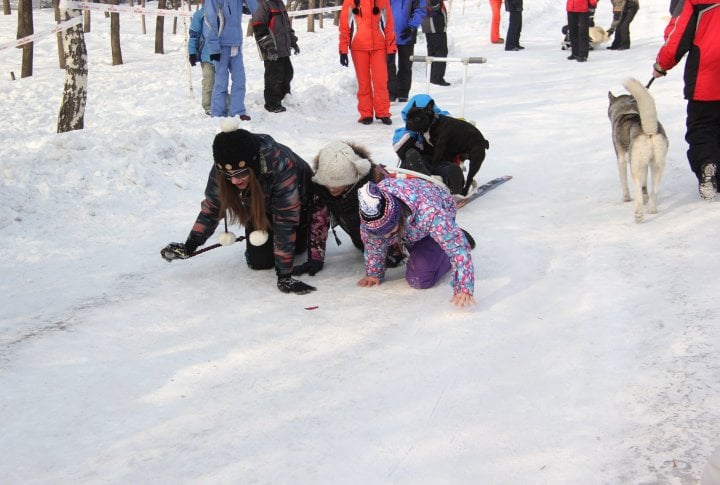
column 213, row 246
column 647, row 86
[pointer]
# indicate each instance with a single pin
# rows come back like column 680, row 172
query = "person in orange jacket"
column 694, row 30
column 367, row 30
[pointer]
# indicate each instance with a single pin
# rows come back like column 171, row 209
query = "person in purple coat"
column 421, row 216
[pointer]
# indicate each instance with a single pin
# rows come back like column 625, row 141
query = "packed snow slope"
column 590, row 357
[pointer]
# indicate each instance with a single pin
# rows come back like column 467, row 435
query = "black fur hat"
column 234, row 148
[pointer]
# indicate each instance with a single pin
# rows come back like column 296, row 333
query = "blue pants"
column 229, row 67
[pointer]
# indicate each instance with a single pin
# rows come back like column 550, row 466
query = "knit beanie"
column 379, row 211
column 340, row 164
column 234, row 148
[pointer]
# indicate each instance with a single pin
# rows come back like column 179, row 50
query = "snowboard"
column 483, row 189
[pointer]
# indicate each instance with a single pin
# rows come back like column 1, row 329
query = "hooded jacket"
column 365, row 30
column 430, row 212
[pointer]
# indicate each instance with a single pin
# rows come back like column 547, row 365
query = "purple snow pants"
column 426, row 264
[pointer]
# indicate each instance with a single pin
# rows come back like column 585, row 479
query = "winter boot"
column 469, row 238
column 708, row 183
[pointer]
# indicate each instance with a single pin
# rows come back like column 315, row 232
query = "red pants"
column 372, row 78
column 495, row 22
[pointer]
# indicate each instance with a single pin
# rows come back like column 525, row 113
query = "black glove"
column 391, row 58
column 344, row 60
column 407, row 33
column 246, row 10
column 175, row 251
column 610, row 31
column 215, row 57
column 295, row 48
column 288, row 284
column 193, row 59
column 310, row 267
column 267, row 45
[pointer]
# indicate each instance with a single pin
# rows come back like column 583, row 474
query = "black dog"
column 449, row 137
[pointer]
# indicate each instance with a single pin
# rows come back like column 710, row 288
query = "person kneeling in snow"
column 421, row 216
column 341, row 168
column 264, row 186
column 416, row 153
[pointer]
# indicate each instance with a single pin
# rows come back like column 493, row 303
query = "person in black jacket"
column 264, row 186
column 512, row 38
column 341, row 168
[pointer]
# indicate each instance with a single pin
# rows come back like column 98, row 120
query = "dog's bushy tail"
column 646, row 105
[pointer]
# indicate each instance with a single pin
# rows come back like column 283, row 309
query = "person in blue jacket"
column 198, row 51
column 224, row 35
column 407, row 18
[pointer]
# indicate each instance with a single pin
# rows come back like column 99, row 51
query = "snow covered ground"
column 590, row 358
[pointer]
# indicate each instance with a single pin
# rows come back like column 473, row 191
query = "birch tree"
column 72, row 110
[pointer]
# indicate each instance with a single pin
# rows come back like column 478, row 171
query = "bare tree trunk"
column 61, row 54
column 115, row 36
column 6, row 7
column 311, row 17
column 160, row 29
column 25, row 28
column 72, row 110
column 142, row 21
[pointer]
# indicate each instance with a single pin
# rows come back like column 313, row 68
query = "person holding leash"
column 421, row 216
column 366, row 30
column 264, row 186
column 694, row 29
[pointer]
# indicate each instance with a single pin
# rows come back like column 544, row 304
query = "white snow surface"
column 590, row 357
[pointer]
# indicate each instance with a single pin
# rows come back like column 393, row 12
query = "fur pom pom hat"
column 235, row 149
column 379, row 211
column 340, row 164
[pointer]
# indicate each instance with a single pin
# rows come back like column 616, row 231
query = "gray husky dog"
column 640, row 142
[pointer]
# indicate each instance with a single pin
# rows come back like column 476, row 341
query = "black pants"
column 622, row 32
column 400, row 76
column 512, row 38
column 703, row 133
column 263, row 257
column 278, row 75
column 437, row 47
column 578, row 32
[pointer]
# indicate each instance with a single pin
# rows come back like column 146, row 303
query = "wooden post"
column 311, row 17
column 61, row 53
column 25, row 28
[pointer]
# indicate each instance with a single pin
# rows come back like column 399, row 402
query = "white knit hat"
column 339, row 164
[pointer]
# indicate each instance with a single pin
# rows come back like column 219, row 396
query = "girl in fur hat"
column 264, row 186
column 421, row 216
column 340, row 169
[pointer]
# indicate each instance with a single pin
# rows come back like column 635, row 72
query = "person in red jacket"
column 367, row 30
column 694, row 30
column 578, row 15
